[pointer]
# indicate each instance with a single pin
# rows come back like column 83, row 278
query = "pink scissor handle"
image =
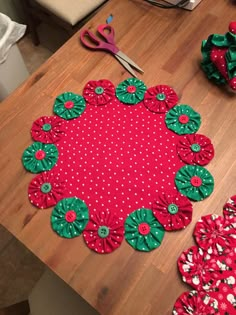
column 107, row 32
column 90, row 41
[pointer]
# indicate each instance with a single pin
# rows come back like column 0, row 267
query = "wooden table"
column 166, row 44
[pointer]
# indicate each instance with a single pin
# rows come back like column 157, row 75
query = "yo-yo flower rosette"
column 160, row 98
column 195, row 182
column 197, row 269
column 195, row 303
column 69, row 105
column 99, row 92
column 142, row 230
column 195, row 149
column 69, row 217
column 45, row 190
column 39, row 157
column 182, row 119
column 229, row 209
column 104, row 232
column 215, row 235
column 131, row 91
column 48, row 129
column 172, row 210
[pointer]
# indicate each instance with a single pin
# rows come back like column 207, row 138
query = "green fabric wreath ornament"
column 131, row 91
column 69, row 217
column 40, row 157
column 182, row 119
column 195, row 182
column 69, row 105
column 142, row 230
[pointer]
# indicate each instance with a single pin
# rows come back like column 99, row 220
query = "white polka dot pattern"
column 117, row 157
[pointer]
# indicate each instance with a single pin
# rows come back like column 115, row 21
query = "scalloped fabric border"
column 45, row 190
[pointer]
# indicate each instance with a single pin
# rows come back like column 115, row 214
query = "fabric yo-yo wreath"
column 215, row 234
column 197, row 269
column 230, row 209
column 113, row 159
column 194, row 303
column 210, row 268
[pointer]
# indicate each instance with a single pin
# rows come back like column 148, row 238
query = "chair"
column 68, row 14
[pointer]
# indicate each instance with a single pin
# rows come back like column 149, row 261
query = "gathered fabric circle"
column 69, row 217
column 131, row 91
column 40, row 157
column 143, row 231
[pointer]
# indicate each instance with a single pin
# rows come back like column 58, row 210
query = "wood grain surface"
column 166, row 44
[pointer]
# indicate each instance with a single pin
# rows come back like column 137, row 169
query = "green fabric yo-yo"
column 182, row 119
column 69, row 105
column 40, row 157
column 131, row 91
column 195, row 182
column 142, row 230
column 69, row 217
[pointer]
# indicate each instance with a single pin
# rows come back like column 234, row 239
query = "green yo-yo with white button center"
column 161, row 96
column 46, row 188
column 173, row 208
column 195, row 147
column 99, row 90
column 47, row 127
column 103, row 231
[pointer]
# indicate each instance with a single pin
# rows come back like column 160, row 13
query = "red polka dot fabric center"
column 118, row 157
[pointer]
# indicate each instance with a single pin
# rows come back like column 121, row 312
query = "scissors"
column 107, row 43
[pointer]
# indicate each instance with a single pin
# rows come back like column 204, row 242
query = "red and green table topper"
column 119, row 162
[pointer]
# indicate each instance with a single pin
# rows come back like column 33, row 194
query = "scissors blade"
column 126, row 65
column 129, row 61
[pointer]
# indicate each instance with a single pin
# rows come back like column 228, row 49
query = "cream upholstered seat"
column 67, row 14
column 71, row 11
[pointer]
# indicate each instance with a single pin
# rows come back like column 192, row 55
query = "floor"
column 19, row 268
column 22, row 275
column 53, row 296
column 33, row 56
column 51, row 38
